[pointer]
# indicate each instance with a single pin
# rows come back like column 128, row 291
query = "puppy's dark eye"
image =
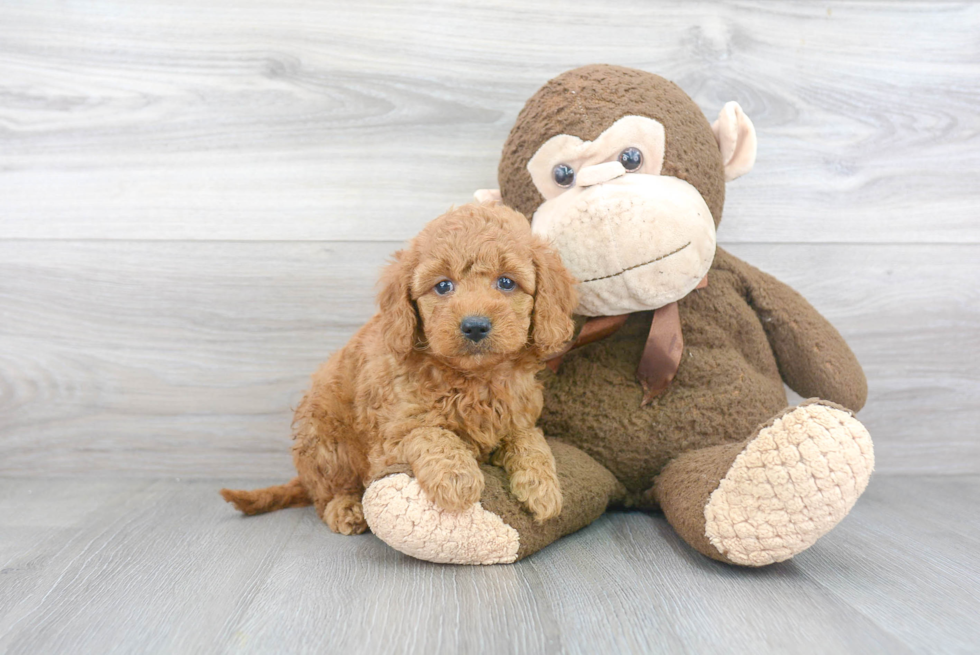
column 631, row 159
column 564, row 175
column 504, row 283
column 444, row 287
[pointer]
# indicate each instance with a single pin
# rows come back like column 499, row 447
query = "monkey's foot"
column 497, row 530
column 793, row 482
column 401, row 515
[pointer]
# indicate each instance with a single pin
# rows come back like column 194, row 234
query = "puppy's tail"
column 259, row 501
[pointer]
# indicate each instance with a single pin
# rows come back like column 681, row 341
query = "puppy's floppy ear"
column 555, row 299
column 399, row 319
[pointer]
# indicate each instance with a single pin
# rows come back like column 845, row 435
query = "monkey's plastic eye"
column 444, row 287
column 564, row 175
column 504, row 283
column 631, row 159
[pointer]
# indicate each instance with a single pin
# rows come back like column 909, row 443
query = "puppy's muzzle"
column 475, row 328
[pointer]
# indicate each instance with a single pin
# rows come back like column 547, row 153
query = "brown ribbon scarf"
column 661, row 354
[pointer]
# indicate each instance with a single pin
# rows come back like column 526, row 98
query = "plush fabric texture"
column 790, row 485
column 751, row 503
column 588, row 489
column 498, row 529
column 599, row 173
column 400, row 513
column 736, row 138
column 584, row 102
column 637, row 131
column 650, row 240
column 728, row 381
column 684, row 487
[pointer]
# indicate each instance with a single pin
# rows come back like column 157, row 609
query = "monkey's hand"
column 813, row 358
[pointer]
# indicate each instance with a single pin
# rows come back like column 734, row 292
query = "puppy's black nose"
column 475, row 328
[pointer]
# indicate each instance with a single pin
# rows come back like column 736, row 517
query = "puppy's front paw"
column 539, row 491
column 452, row 485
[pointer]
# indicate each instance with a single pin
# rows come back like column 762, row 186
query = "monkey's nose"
column 475, row 328
column 599, row 173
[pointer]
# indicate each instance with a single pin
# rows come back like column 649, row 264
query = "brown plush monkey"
column 671, row 396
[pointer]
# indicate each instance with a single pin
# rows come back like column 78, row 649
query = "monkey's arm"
column 813, row 358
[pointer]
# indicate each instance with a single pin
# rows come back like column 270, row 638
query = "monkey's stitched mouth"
column 652, row 261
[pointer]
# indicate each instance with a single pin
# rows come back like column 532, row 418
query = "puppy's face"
column 475, row 287
column 474, row 304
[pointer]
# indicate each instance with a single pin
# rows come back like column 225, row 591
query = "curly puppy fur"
column 410, row 389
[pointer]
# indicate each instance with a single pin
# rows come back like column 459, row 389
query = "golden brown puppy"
column 441, row 379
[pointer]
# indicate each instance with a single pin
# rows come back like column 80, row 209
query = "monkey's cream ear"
column 488, row 196
column 735, row 135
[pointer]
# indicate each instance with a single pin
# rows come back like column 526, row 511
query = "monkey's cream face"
column 636, row 239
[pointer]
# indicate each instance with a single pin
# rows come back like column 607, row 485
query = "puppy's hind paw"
column 345, row 515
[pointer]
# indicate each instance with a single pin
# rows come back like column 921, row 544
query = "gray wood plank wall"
column 195, row 197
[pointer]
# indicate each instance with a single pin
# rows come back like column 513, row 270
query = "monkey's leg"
column 497, row 530
column 772, row 496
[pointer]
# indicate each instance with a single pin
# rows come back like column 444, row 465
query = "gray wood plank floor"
column 166, row 566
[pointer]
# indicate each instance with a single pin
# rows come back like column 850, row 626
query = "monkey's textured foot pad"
column 794, row 482
column 401, row 515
